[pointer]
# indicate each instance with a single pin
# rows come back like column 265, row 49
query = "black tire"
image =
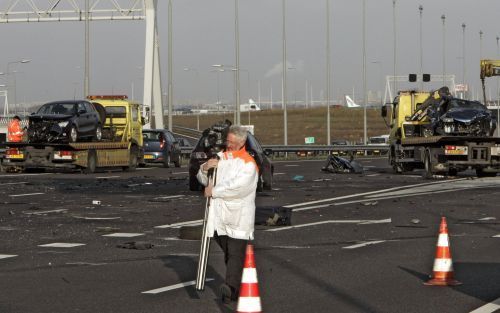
column 166, row 161
column 132, row 162
column 98, row 133
column 91, row 162
column 481, row 173
column 428, row 165
column 73, row 134
column 177, row 163
column 194, row 184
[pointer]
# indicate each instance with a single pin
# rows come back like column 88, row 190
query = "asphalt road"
column 360, row 242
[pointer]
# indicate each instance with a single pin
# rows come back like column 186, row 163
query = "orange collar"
column 239, row 154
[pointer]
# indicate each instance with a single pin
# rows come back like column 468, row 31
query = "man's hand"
column 208, row 190
column 212, row 163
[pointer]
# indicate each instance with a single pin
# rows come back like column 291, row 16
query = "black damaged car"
column 66, row 121
column 457, row 117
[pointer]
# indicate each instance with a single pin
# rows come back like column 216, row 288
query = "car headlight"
column 63, row 124
column 448, row 120
column 449, row 128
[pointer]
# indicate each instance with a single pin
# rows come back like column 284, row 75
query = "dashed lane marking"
column 279, row 174
column 372, row 175
column 359, row 222
column 124, row 235
column 173, row 287
column 178, row 225
column 28, row 194
column 496, row 236
column 97, row 218
column 144, row 168
column 176, row 173
column 19, row 183
column 5, row 256
column 291, row 165
column 104, row 177
column 488, row 308
column 169, row 197
column 61, row 245
column 18, row 175
column 364, row 244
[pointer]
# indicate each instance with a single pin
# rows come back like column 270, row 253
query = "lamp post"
column 421, row 9
column 498, row 89
column 443, row 18
column 394, row 44
column 23, row 61
column 463, row 61
column 328, row 73
column 218, row 84
column 481, row 44
column 237, row 72
column 196, row 83
column 283, row 78
column 379, row 63
column 364, row 75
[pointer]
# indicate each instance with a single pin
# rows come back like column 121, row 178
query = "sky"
column 203, row 35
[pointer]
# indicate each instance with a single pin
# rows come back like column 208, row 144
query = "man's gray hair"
column 238, row 131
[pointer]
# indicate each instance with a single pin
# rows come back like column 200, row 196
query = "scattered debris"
column 138, row 245
column 415, row 221
column 273, row 216
column 335, row 164
column 96, row 202
column 369, row 203
column 298, row 178
column 322, row 179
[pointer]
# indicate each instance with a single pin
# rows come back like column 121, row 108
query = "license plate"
column 15, row 156
column 149, row 156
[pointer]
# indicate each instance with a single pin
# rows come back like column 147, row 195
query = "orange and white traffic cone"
column 443, row 265
column 249, row 299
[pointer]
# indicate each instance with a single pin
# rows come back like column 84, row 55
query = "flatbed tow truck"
column 121, row 146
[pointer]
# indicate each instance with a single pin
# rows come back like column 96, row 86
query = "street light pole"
column 86, row 79
column 498, row 90
column 283, row 78
column 170, row 68
column 421, row 9
column 23, row 61
column 480, row 44
column 394, row 44
column 328, row 73
column 237, row 51
column 463, row 61
column 443, row 18
column 364, row 75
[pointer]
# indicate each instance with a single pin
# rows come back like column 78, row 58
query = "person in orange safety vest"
column 15, row 132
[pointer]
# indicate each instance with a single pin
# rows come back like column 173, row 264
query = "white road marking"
column 364, row 244
column 292, row 165
column 369, row 166
column 169, row 197
column 359, row 222
column 496, row 236
column 178, row 225
column 20, row 183
column 86, row 263
column 366, row 193
column 488, row 308
column 291, row 247
column 5, row 256
column 97, row 218
column 275, row 174
column 373, row 175
column 17, row 175
column 46, row 212
column 180, row 173
column 141, row 184
column 387, row 220
column 124, row 235
column 487, row 219
column 173, row 287
column 104, row 177
column 61, row 245
column 144, row 168
column 28, row 194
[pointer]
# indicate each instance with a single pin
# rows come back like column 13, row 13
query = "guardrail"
column 277, row 149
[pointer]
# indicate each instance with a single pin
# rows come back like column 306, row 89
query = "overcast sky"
column 204, row 35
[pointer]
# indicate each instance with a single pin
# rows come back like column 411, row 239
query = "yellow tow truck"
column 414, row 143
column 121, row 144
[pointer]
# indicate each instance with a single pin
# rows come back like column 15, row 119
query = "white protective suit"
column 232, row 207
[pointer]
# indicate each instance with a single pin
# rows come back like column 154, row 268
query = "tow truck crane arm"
column 489, row 68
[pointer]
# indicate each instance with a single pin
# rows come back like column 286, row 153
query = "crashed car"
column 66, row 121
column 335, row 164
column 458, row 117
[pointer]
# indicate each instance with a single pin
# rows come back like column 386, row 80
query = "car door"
column 83, row 119
column 93, row 117
column 174, row 146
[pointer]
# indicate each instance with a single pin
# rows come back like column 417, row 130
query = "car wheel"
column 428, row 165
column 177, row 162
column 166, row 161
column 73, row 134
column 98, row 133
column 91, row 162
column 194, row 184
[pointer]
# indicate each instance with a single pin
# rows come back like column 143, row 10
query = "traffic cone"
column 443, row 265
column 249, row 299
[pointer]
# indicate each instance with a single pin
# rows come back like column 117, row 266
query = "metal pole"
column 328, row 131
column 421, row 8
column 237, row 50
column 481, row 45
column 86, row 80
column 463, row 61
column 283, row 78
column 364, row 75
column 170, row 68
column 394, row 44
column 498, row 91
column 443, row 18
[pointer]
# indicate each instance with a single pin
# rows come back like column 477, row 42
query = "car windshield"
column 464, row 104
column 57, row 108
column 151, row 136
